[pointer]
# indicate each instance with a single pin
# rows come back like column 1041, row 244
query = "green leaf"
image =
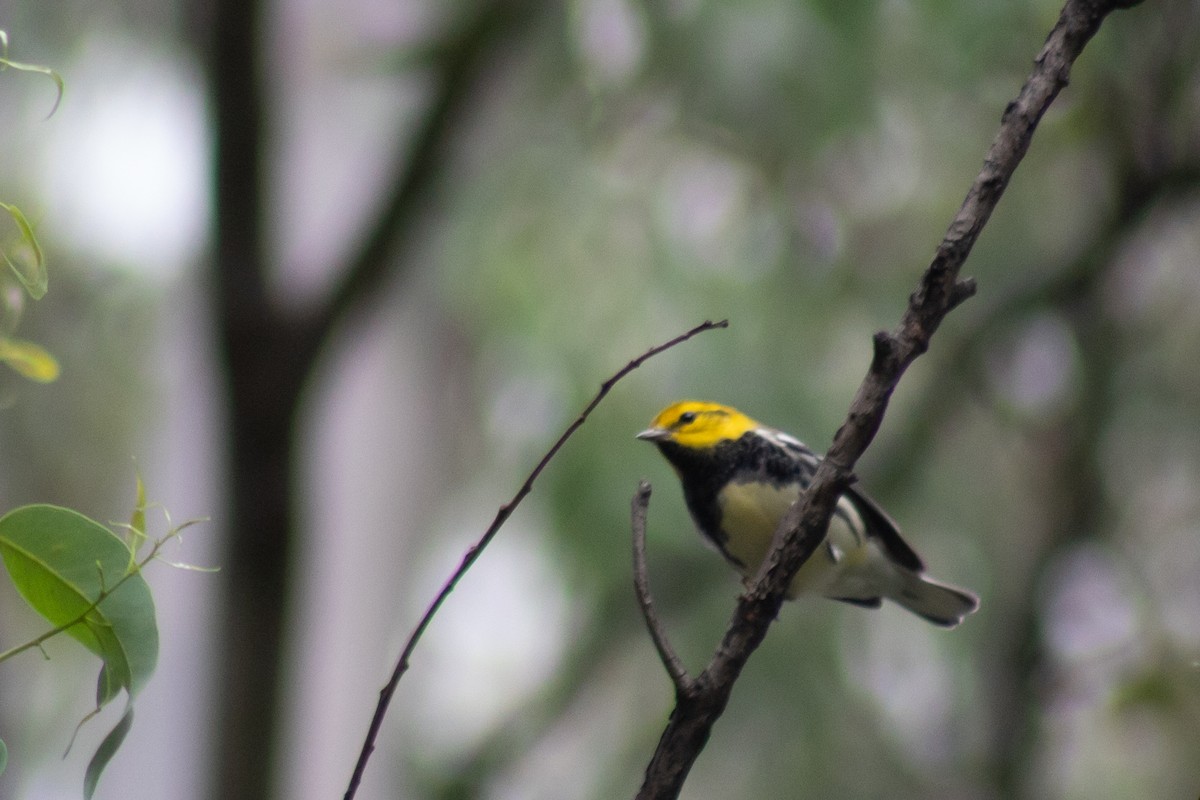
column 3, row 756
column 60, row 561
column 75, row 573
column 106, row 751
column 107, row 686
column 29, row 359
column 31, row 272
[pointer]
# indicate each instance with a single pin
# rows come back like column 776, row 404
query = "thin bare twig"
column 473, row 553
column 939, row 292
column 641, row 585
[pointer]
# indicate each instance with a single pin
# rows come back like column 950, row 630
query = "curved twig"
column 473, row 553
column 641, row 585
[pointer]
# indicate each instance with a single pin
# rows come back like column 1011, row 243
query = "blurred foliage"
column 62, row 563
column 27, row 265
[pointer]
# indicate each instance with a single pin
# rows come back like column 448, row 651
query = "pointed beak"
column 654, row 434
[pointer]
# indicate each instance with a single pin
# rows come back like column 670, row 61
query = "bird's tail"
column 940, row 603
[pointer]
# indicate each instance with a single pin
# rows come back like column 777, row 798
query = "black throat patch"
column 750, row 458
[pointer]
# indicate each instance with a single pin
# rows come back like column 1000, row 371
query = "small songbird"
column 739, row 479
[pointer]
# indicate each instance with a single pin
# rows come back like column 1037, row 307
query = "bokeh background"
column 614, row 173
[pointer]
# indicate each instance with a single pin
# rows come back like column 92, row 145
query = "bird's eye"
column 687, row 418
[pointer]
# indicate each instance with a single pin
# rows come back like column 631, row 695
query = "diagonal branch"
column 940, row 290
column 476, row 550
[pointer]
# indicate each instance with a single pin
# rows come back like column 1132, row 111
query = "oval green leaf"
column 61, row 562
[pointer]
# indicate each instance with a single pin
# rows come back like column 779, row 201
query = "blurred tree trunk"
column 264, row 377
column 269, row 352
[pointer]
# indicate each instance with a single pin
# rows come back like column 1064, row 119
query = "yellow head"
column 698, row 425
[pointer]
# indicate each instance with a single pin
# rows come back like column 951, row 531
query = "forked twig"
column 473, row 553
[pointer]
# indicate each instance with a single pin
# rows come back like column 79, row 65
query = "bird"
column 739, row 478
